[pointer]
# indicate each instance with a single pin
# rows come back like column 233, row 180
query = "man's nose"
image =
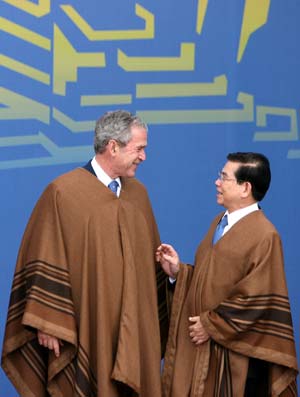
column 142, row 155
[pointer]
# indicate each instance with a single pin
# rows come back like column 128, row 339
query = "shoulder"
column 135, row 193
column 65, row 185
column 69, row 180
column 133, row 182
column 257, row 227
column 133, row 185
column 259, row 219
column 69, row 177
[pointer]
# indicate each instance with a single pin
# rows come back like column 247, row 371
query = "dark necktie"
column 220, row 228
column 113, row 186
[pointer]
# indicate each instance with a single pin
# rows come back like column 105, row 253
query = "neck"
column 243, row 205
column 105, row 164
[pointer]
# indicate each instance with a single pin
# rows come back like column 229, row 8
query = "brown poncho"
column 86, row 274
column 239, row 290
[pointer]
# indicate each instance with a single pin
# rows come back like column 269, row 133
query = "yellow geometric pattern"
column 255, row 16
column 25, row 34
column 185, row 61
column 101, row 35
column 38, row 10
column 201, row 12
column 68, row 60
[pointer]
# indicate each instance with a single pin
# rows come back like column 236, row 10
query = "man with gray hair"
column 83, row 316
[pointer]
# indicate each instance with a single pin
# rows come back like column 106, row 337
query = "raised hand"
column 169, row 259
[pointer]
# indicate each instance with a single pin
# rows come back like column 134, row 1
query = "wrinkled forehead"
column 138, row 136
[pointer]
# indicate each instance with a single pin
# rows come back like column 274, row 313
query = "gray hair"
column 115, row 125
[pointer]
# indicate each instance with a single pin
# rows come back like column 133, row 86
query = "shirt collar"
column 102, row 175
column 235, row 216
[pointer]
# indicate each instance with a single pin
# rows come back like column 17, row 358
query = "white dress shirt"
column 103, row 177
column 235, row 216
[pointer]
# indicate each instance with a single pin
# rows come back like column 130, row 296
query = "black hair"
column 254, row 168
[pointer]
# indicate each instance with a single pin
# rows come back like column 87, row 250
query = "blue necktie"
column 113, row 186
column 219, row 229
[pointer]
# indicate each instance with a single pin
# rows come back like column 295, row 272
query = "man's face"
column 229, row 192
column 130, row 156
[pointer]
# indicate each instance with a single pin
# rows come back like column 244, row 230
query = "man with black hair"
column 231, row 332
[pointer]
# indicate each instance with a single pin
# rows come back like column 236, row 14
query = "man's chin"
column 130, row 174
column 219, row 200
column 132, row 171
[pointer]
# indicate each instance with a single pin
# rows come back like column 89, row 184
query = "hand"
column 51, row 342
column 197, row 332
column 169, row 259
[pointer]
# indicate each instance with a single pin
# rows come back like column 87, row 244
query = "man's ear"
column 112, row 147
column 247, row 189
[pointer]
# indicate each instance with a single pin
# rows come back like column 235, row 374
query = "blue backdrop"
column 208, row 76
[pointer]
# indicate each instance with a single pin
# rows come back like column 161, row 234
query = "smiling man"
column 83, row 316
column 231, row 332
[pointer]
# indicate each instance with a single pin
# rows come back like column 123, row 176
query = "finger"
column 56, row 348
column 167, row 257
column 194, row 319
column 203, row 339
column 195, row 330
column 40, row 337
column 50, row 343
column 167, row 248
column 197, row 334
column 194, row 327
column 196, row 340
column 43, row 338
